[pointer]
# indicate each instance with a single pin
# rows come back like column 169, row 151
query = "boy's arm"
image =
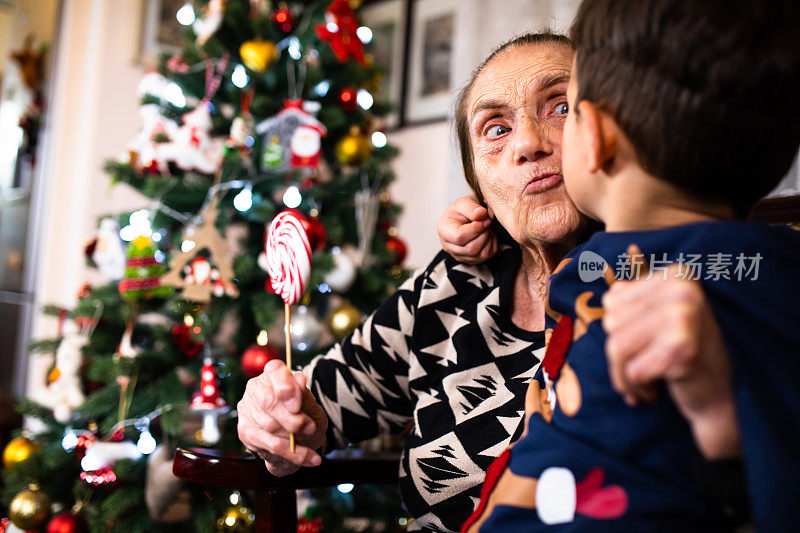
column 664, row 329
column 464, row 231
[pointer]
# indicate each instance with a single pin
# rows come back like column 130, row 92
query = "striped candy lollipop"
column 288, row 256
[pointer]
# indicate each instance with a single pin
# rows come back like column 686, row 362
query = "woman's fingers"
column 287, row 391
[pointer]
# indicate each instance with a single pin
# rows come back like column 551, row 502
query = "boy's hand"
column 464, row 231
column 275, row 404
column 664, row 329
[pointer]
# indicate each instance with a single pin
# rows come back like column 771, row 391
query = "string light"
column 146, row 443
column 185, row 14
column 174, row 95
column 70, row 439
column 364, row 99
column 240, row 77
column 263, row 338
column 294, row 48
column 322, row 88
column 364, row 34
column 244, row 200
column 344, row 488
column 187, row 245
column 378, row 139
column 292, row 197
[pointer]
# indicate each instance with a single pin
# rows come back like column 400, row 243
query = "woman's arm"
column 360, row 389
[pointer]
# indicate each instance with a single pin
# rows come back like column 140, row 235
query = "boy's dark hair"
column 462, row 98
column 708, row 91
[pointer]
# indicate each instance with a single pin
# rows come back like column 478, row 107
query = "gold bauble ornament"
column 343, row 320
column 18, row 450
column 238, row 519
column 29, row 508
column 353, row 149
column 258, row 55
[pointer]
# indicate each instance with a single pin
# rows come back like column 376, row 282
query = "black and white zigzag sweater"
column 441, row 352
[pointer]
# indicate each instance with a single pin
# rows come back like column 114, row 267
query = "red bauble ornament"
column 4, row 524
column 314, row 229
column 255, row 357
column 283, row 18
column 316, row 234
column 347, row 99
column 67, row 522
column 398, row 248
column 184, row 340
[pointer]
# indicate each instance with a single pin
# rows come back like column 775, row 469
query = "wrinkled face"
column 516, row 113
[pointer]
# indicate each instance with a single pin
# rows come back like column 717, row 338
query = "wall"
column 93, row 113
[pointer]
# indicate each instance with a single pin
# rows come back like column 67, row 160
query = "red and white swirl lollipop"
column 288, row 256
column 289, row 267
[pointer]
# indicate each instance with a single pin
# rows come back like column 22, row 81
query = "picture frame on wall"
column 161, row 32
column 438, row 54
column 387, row 20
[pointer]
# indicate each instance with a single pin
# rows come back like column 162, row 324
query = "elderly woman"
column 453, row 350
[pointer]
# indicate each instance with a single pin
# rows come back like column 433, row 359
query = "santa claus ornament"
column 292, row 138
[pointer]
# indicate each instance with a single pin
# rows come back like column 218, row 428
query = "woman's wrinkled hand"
column 275, row 404
column 464, row 231
column 662, row 329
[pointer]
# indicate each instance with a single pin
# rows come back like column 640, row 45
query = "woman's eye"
column 497, row 130
column 562, row 109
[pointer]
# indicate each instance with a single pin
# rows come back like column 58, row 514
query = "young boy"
column 682, row 115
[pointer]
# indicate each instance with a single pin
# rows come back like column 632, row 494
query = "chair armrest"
column 245, row 471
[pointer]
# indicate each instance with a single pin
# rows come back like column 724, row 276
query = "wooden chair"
column 275, row 503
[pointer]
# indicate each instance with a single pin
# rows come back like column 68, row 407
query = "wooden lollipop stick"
column 289, row 358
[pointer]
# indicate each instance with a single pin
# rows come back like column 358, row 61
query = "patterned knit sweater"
column 443, row 354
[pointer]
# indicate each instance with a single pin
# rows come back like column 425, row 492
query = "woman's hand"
column 275, row 404
column 464, row 231
column 664, row 329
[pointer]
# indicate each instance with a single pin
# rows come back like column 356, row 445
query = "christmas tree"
column 267, row 107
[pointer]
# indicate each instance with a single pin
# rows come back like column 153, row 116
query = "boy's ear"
column 599, row 140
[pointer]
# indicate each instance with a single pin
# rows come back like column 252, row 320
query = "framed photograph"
column 387, row 20
column 161, row 32
column 440, row 56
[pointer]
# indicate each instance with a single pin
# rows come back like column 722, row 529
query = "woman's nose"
column 531, row 143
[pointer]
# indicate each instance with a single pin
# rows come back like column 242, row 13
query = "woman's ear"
column 599, row 141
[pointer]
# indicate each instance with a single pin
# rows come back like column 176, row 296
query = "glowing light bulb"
column 70, row 439
column 344, row 488
column 378, row 139
column 263, row 338
column 322, row 88
column 146, row 443
column 239, row 76
column 187, row 245
column 244, row 200
column 294, row 48
column 185, row 14
column 292, row 197
column 365, row 34
column 174, row 95
column 364, row 99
